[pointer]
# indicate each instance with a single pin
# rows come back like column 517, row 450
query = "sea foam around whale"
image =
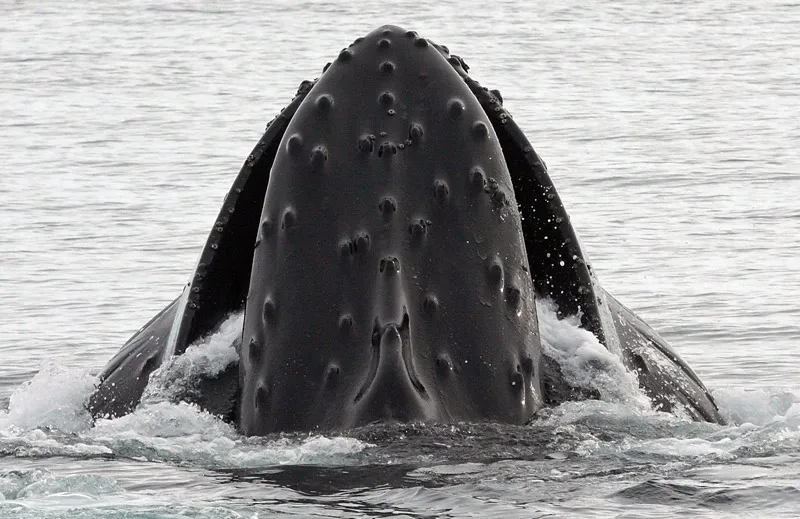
column 47, row 414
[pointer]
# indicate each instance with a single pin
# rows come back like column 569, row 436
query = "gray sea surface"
column 670, row 129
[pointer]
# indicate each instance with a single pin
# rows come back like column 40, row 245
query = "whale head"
column 374, row 241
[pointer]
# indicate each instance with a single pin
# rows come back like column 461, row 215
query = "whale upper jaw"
column 389, row 281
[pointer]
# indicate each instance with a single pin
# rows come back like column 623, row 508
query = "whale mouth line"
column 380, row 337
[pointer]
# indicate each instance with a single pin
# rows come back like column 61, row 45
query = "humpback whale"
column 387, row 240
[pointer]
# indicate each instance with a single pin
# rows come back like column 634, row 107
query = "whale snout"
column 379, row 264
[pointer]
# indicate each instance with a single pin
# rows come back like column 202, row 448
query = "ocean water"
column 670, row 130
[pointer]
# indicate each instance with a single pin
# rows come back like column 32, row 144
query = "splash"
column 584, row 361
column 55, row 398
column 207, row 357
column 47, row 416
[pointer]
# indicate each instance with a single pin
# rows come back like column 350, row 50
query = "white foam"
column 54, row 402
column 207, row 357
column 164, row 420
column 185, row 433
column 755, row 406
column 55, row 398
column 584, row 361
column 687, row 448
